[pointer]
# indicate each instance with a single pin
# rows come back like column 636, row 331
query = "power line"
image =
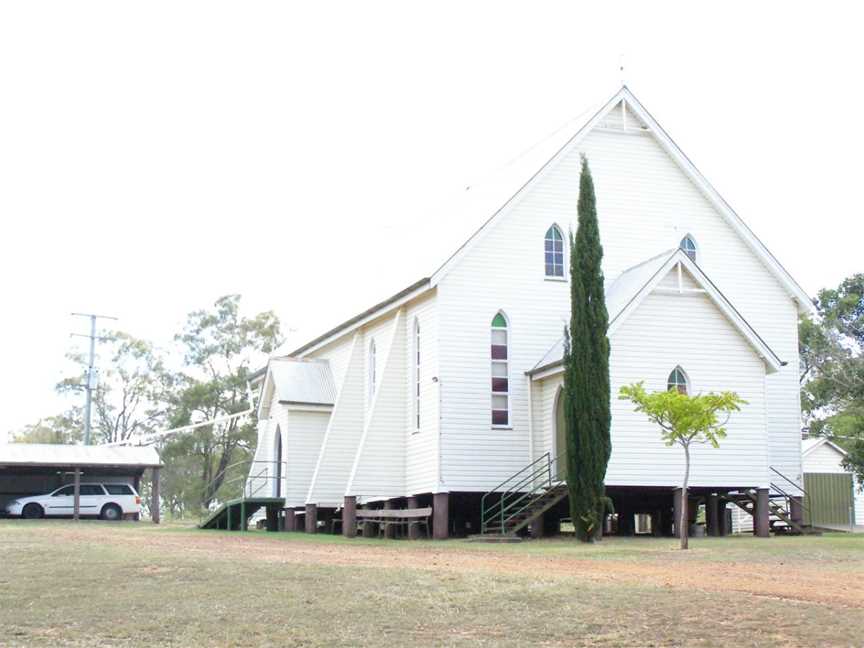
column 90, row 380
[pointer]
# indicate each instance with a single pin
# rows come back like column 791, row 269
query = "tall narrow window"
column 500, row 371
column 677, row 381
column 416, row 374
column 688, row 246
column 554, row 252
column 371, row 370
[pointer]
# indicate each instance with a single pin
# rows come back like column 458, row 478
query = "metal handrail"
column 246, row 492
column 248, row 485
column 510, row 504
column 513, row 488
column 801, row 488
column 540, row 458
column 222, row 472
column 788, row 496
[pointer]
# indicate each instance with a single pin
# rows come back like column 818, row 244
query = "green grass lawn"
column 96, row 584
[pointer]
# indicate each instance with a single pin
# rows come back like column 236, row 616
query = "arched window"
column 372, row 375
column 500, row 371
column 688, row 245
column 553, row 246
column 678, row 381
column 277, row 460
column 416, row 374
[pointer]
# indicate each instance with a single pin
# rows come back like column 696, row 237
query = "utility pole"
column 90, row 380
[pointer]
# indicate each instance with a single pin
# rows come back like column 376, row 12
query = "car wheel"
column 111, row 512
column 32, row 512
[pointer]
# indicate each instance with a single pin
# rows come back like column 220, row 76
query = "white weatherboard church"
column 445, row 390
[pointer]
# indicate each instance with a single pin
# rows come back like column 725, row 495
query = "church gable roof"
column 626, row 292
column 489, row 201
column 622, row 111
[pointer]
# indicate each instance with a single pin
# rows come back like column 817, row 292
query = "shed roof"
column 810, row 444
column 50, row 454
column 309, row 382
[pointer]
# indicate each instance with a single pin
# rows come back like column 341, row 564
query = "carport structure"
column 36, row 468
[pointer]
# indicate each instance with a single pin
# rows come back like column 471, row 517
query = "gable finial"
column 621, row 68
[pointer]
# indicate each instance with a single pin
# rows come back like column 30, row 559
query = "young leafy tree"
column 684, row 420
column 586, row 372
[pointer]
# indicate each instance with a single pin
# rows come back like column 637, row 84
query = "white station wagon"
column 107, row 501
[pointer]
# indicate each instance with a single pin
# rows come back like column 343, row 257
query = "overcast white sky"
column 155, row 156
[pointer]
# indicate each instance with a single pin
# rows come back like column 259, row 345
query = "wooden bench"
column 398, row 518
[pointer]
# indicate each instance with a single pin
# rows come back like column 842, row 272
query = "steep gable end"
column 672, row 274
column 622, row 112
column 621, row 117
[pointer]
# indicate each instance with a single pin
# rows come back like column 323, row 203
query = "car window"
column 66, row 490
column 118, row 489
column 91, row 489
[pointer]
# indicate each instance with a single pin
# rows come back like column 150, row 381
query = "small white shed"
column 821, row 456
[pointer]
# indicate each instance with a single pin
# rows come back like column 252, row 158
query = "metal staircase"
column 521, row 498
column 234, row 514
column 779, row 506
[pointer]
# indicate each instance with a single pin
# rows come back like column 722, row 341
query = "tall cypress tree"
column 586, row 371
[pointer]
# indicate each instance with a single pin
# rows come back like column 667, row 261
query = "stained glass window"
column 500, row 371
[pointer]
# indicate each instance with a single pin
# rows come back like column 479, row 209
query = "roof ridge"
column 670, row 252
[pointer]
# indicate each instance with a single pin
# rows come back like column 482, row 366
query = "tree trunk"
column 683, row 526
column 216, row 484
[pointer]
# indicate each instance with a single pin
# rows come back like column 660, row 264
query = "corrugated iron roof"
column 49, row 454
column 308, row 382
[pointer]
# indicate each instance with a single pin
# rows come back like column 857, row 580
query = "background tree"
column 684, row 420
column 221, row 348
column 64, row 429
column 832, row 369
column 131, row 396
column 586, row 372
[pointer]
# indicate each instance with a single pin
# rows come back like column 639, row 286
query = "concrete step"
column 494, row 537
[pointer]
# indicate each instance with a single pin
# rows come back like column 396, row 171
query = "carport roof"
column 48, row 454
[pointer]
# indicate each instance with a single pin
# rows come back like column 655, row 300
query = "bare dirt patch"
column 176, row 586
column 796, row 582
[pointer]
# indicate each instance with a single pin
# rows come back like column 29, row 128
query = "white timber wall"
column 413, row 451
column 421, row 467
column 256, row 485
column 341, row 439
column 302, row 429
column 687, row 331
column 338, row 353
column 646, row 204
column 664, row 332
column 303, row 434
column 379, row 465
